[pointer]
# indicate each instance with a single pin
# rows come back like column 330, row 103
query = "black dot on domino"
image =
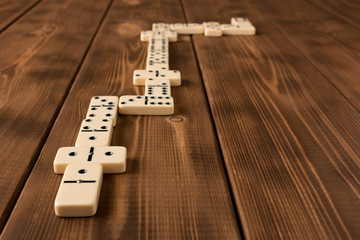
column 109, row 153
column 72, row 154
column 92, row 138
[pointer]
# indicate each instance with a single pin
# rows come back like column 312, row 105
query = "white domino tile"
column 157, row 87
column 140, row 76
column 157, row 65
column 245, row 26
column 146, row 35
column 158, row 56
column 161, row 27
column 229, row 29
column 158, row 43
column 240, row 21
column 95, row 132
column 187, row 28
column 145, row 105
column 212, row 29
column 247, row 30
column 103, row 107
column 112, row 158
column 79, row 191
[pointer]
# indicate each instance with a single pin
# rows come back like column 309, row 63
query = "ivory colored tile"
column 103, row 107
column 112, row 158
column 161, row 27
column 157, row 87
column 229, row 29
column 146, row 35
column 187, row 28
column 140, row 76
column 95, row 132
column 240, row 21
column 212, row 29
column 79, row 191
column 144, row 105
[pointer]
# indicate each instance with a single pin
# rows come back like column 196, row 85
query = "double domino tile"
column 92, row 156
column 83, row 166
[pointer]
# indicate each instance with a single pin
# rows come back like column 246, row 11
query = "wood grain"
column 10, row 10
column 40, row 55
column 174, row 186
column 326, row 34
column 290, row 139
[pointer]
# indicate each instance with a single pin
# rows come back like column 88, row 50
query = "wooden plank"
column 346, row 10
column 290, row 140
column 40, row 55
column 10, row 10
column 328, row 39
column 174, row 186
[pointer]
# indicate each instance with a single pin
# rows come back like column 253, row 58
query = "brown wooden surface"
column 295, row 168
column 11, row 10
column 329, row 39
column 284, row 106
column 175, row 185
column 40, row 54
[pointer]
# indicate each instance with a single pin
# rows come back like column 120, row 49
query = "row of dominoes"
column 157, row 77
column 238, row 26
column 83, row 166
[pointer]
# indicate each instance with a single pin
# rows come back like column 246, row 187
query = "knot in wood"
column 176, row 119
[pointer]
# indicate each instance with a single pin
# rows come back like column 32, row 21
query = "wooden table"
column 264, row 142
